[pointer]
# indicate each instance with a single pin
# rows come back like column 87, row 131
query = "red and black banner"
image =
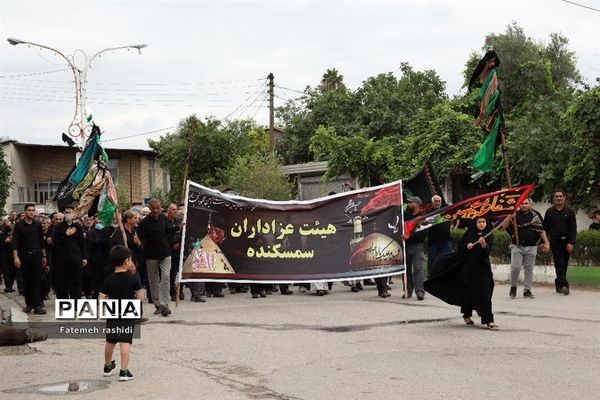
column 351, row 235
column 490, row 205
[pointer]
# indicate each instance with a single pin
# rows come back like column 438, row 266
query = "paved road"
column 343, row 346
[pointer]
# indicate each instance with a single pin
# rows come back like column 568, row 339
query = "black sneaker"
column 354, row 289
column 125, row 375
column 39, row 310
column 199, row 299
column 513, row 292
column 108, row 369
column 527, row 294
column 565, row 290
column 27, row 309
column 420, row 296
column 158, row 310
column 165, row 311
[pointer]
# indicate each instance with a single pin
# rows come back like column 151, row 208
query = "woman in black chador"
column 464, row 278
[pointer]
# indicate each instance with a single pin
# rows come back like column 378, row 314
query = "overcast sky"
column 212, row 57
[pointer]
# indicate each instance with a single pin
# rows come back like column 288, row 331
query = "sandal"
column 492, row 326
column 468, row 321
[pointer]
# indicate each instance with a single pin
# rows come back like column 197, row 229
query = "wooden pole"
column 271, row 112
column 184, row 186
column 506, row 166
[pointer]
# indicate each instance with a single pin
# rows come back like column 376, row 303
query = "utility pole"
column 188, row 158
column 271, row 113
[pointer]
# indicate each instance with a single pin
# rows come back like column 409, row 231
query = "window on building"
column 165, row 181
column 151, row 177
column 44, row 191
column 24, row 194
column 113, row 168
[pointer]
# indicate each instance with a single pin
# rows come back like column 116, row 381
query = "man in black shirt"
column 522, row 253
column 561, row 227
column 70, row 256
column 438, row 236
column 415, row 255
column 154, row 231
column 29, row 256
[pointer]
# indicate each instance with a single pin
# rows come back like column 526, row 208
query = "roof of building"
column 313, row 167
column 64, row 146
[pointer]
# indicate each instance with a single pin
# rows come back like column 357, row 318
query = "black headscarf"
column 477, row 71
column 473, row 234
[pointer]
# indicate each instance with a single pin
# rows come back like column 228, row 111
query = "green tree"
column 582, row 120
column 382, row 106
column 444, row 137
column 332, row 80
column 529, row 67
column 258, row 176
column 5, row 180
column 214, row 147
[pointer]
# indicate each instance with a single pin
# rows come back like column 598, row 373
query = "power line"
column 34, row 73
column 261, row 105
column 289, row 89
column 139, row 134
column 261, row 86
column 580, row 5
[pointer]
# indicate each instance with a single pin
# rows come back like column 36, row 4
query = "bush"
column 587, row 248
column 586, row 252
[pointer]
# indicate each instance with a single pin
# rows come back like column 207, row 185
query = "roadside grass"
column 584, row 276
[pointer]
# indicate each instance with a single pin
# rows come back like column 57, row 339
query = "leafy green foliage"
column 582, row 121
column 529, row 67
column 383, row 106
column 5, row 180
column 214, row 147
column 258, row 176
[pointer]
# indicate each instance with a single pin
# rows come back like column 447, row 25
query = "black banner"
column 350, row 235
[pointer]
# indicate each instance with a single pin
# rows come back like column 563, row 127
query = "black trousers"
column 561, row 260
column 8, row 271
column 381, row 284
column 174, row 272
column 31, row 270
column 255, row 288
column 68, row 279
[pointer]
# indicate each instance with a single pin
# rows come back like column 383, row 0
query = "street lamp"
column 80, row 126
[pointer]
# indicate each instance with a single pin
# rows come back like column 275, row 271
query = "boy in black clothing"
column 122, row 284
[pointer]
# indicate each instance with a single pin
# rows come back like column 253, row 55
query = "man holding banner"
column 415, row 255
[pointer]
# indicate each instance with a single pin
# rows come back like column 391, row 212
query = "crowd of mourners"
column 58, row 252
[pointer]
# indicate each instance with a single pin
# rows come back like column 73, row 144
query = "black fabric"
column 31, row 268
column 561, row 260
column 121, row 285
column 28, row 237
column 561, row 223
column 423, row 185
column 594, row 226
column 68, row 248
column 528, row 227
column 480, row 66
column 117, row 238
column 154, row 234
column 439, row 233
column 464, row 278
